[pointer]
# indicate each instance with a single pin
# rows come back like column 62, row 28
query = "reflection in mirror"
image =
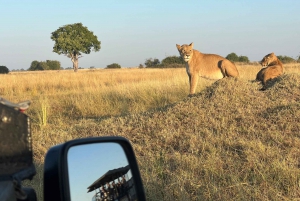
column 100, row 172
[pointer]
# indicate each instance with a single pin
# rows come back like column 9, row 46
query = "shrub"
column 286, row 59
column 53, row 65
column 153, row 63
column 172, row 60
column 113, row 65
column 244, row 59
column 33, row 65
column 235, row 58
column 4, row 70
column 232, row 57
column 44, row 65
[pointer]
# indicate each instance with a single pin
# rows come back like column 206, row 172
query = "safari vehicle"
column 113, row 186
column 69, row 167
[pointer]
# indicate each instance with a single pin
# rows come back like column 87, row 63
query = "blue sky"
column 132, row 31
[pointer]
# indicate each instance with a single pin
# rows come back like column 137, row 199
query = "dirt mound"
column 285, row 88
column 230, row 133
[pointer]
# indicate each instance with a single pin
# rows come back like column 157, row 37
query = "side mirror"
column 92, row 169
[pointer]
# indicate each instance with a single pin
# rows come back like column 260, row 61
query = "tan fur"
column 210, row 66
column 272, row 69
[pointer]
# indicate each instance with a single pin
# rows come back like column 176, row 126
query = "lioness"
column 210, row 66
column 272, row 68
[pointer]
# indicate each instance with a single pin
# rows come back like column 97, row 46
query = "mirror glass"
column 100, row 171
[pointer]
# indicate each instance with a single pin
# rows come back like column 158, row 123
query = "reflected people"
column 109, row 181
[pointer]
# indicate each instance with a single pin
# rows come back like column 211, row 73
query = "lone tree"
column 74, row 39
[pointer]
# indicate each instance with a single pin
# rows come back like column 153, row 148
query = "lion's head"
column 185, row 51
column 268, row 59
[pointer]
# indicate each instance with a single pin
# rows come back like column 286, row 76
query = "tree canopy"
column 74, row 39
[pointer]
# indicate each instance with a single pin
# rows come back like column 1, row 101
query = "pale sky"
column 132, row 31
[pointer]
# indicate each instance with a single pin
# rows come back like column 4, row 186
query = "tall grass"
column 230, row 142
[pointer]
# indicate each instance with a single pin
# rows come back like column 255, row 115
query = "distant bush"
column 232, row 57
column 152, row 63
column 113, row 65
column 172, row 60
column 33, row 65
column 244, row 59
column 53, row 64
column 44, row 65
column 286, row 59
column 141, row 66
column 168, row 62
column 235, row 58
column 4, row 70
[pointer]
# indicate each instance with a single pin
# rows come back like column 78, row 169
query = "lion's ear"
column 178, row 46
column 272, row 53
column 192, row 44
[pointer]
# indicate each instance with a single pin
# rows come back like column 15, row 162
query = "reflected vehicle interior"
column 114, row 185
column 99, row 172
column 82, row 169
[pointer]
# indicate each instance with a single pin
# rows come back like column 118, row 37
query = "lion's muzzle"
column 186, row 58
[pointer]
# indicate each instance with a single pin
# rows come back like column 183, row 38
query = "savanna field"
column 230, row 141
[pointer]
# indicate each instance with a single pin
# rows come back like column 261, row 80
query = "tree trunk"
column 74, row 59
column 75, row 65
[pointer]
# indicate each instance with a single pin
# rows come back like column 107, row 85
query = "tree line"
column 177, row 61
column 168, row 62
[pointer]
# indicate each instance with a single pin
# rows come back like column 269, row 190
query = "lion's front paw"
column 191, row 95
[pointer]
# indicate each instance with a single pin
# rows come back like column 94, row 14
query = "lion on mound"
column 209, row 66
column 272, row 68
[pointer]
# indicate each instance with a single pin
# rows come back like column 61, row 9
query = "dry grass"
column 229, row 142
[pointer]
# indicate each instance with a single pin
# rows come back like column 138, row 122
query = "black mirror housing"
column 56, row 176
